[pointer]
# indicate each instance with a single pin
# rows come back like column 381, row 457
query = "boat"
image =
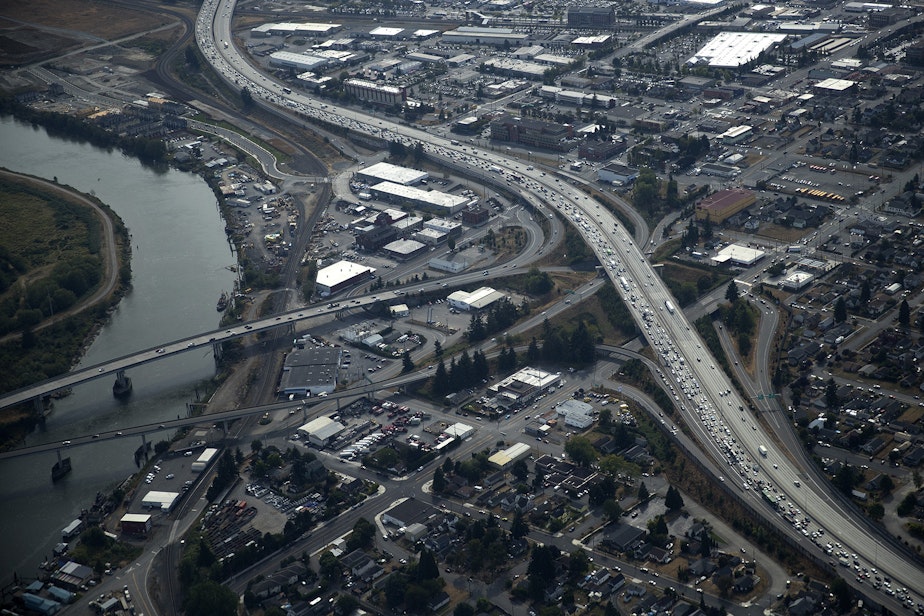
column 61, row 468
column 122, row 387
column 222, row 302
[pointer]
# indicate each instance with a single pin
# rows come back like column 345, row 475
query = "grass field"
column 101, row 20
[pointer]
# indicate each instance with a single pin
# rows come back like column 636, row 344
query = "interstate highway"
column 670, row 331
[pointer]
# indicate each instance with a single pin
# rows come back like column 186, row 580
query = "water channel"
column 180, row 266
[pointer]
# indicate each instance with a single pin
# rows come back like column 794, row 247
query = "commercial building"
column 135, row 523
column 576, row 414
column 737, row 134
column 341, row 275
column 591, row 149
column 72, row 575
column 207, row 456
column 408, row 512
column 506, row 458
column 434, row 201
column 373, row 92
column 372, row 237
column 298, row 61
column 460, row 431
column 737, row 254
column 321, row 431
column 835, row 87
column 450, row 227
column 718, row 206
column 431, row 237
column 164, row 501
column 531, row 132
column 399, row 311
column 617, row 174
column 478, row 299
column 310, row 371
column 475, row 216
column 404, row 250
column 796, row 281
column 516, row 68
column 591, row 17
column 387, row 172
column 385, row 32
column 521, row 387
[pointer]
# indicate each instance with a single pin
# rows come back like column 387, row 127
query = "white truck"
column 669, row 306
column 762, row 450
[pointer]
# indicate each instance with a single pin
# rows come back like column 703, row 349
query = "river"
column 180, row 259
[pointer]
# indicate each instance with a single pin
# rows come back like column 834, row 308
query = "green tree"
column 831, row 399
column 904, row 313
column 463, row 609
column 427, row 569
column 731, row 293
column 209, row 598
column 256, row 445
column 876, row 511
column 406, row 364
column 520, row 470
column 673, row 500
column 643, row 493
column 519, row 528
column 581, row 451
column 346, row 604
column 840, row 310
column 362, row 535
column 437, row 349
column 439, row 481
column 611, row 509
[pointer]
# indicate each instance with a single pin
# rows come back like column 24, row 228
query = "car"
column 169, row 476
column 160, row 350
column 100, row 370
column 66, row 443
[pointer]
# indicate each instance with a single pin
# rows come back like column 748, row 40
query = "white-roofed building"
column 734, row 49
column 403, row 250
column 478, row 299
column 298, row 61
column 386, row 32
column 321, row 431
column 387, row 172
column 160, row 500
column 287, row 28
column 460, row 430
column 576, row 414
column 478, row 35
column 341, row 275
column 835, row 87
column 796, row 281
column 310, row 371
column 506, row 458
column 431, row 237
column 429, row 200
column 522, row 387
column 738, row 255
column 445, row 225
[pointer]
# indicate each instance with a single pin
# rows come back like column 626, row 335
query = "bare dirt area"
column 32, row 31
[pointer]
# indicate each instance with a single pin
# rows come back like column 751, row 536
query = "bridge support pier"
column 217, row 351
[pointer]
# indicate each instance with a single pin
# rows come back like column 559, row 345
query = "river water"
column 180, row 259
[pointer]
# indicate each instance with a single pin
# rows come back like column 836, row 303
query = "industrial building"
column 736, row 254
column 734, row 49
column 434, row 201
column 72, row 575
column 431, row 237
column 835, row 87
column 387, row 172
column 478, row 299
column 298, row 61
column 341, row 275
column 506, row 458
column 404, row 250
column 718, row 206
column 135, row 523
column 399, row 311
column 289, row 28
column 521, row 387
column 321, row 431
column 576, row 414
column 736, row 134
column 164, row 501
column 310, row 371
column 207, row 456
column 475, row 35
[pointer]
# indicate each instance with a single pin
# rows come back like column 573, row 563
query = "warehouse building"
column 734, row 49
column 341, row 275
column 135, row 523
column 408, row 512
column 479, row 299
column 440, row 203
column 404, row 250
column 506, row 458
column 835, row 87
column 720, row 205
column 476, row 35
column 736, row 134
column 310, row 371
column 321, row 431
column 431, row 237
column 617, row 174
column 289, row 28
column 298, row 61
column 576, row 414
column 387, row 172
column 164, row 501
column 520, row 388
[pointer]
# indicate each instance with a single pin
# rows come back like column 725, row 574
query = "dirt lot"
column 43, row 28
